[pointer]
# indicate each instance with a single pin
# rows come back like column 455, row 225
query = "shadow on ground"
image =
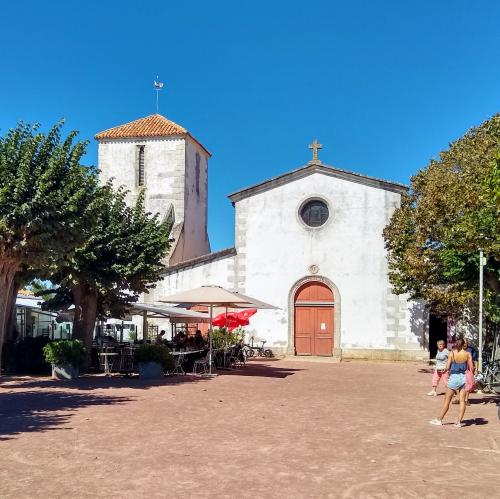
column 98, row 382
column 34, row 411
column 95, row 382
column 426, row 370
column 485, row 399
column 261, row 370
column 475, row 421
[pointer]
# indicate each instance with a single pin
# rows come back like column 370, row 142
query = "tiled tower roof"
column 155, row 125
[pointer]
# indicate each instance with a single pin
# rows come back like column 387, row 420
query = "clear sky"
column 383, row 85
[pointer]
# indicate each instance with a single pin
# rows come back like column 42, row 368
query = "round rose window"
column 314, row 213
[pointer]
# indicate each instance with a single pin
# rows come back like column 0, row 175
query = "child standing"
column 440, row 369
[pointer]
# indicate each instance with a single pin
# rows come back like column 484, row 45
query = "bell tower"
column 162, row 157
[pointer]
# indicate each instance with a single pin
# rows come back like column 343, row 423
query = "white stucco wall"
column 171, row 179
column 196, row 201
column 275, row 250
column 164, row 161
column 215, row 273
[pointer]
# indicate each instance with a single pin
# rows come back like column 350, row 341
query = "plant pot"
column 150, row 370
column 65, row 371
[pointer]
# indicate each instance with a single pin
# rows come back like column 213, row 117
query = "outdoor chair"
column 127, row 360
column 179, row 359
column 226, row 357
column 202, row 366
column 236, row 357
column 218, row 357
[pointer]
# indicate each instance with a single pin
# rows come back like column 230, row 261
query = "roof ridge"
column 315, row 166
column 197, row 260
column 153, row 125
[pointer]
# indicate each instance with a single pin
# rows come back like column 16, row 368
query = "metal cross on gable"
column 315, row 146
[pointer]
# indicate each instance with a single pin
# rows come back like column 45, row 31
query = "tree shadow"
column 260, row 370
column 419, row 317
column 91, row 382
column 30, row 411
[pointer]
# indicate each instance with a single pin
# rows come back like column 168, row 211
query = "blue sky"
column 383, row 85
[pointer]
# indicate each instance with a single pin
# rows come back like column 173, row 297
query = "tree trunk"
column 491, row 280
column 8, row 270
column 85, row 300
column 11, row 319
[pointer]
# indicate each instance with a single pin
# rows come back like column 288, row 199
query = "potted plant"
column 65, row 357
column 153, row 360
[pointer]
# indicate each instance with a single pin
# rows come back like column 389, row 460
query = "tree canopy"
column 120, row 257
column 451, row 211
column 44, row 196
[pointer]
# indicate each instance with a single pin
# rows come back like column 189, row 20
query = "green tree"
column 451, row 212
column 119, row 258
column 39, row 287
column 44, row 194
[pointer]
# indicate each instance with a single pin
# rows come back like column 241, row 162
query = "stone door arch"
column 314, row 318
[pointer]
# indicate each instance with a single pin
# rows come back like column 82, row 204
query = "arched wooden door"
column 314, row 304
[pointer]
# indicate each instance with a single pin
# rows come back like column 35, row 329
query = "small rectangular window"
column 197, row 174
column 140, row 166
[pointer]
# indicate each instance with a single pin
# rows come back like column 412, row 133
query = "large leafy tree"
column 451, row 211
column 44, row 195
column 120, row 257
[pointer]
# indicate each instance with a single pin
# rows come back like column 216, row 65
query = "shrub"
column 64, row 352
column 26, row 355
column 222, row 338
column 155, row 353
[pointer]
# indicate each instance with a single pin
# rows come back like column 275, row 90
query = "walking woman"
column 458, row 362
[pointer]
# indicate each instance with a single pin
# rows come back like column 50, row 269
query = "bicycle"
column 489, row 379
column 250, row 350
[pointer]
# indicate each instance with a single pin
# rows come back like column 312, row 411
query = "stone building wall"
column 276, row 250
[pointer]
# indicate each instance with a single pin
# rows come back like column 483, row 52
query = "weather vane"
column 158, row 85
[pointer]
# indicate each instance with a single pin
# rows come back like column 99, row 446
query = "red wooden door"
column 304, row 330
column 323, row 340
column 314, row 320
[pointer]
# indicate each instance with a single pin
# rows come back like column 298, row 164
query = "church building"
column 308, row 241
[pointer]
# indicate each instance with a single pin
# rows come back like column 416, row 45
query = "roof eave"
column 152, row 137
column 194, row 139
column 309, row 169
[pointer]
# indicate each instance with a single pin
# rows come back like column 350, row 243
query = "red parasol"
column 232, row 320
column 245, row 315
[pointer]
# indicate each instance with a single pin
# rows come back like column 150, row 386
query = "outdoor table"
column 185, row 352
column 107, row 370
column 189, row 357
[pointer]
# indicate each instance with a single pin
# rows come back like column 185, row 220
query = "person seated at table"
column 180, row 339
column 160, row 338
column 199, row 340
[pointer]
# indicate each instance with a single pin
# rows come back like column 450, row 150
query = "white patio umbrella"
column 215, row 296
column 174, row 314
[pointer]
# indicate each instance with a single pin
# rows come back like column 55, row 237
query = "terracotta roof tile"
column 155, row 125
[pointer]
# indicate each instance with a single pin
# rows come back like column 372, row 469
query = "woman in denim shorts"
column 458, row 362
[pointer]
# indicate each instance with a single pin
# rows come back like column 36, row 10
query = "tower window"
column 197, row 174
column 140, row 166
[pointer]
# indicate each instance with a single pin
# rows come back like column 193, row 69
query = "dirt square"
column 277, row 429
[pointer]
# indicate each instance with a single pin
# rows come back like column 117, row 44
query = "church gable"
column 311, row 168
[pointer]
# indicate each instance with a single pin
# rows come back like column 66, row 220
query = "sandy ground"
column 277, row 429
